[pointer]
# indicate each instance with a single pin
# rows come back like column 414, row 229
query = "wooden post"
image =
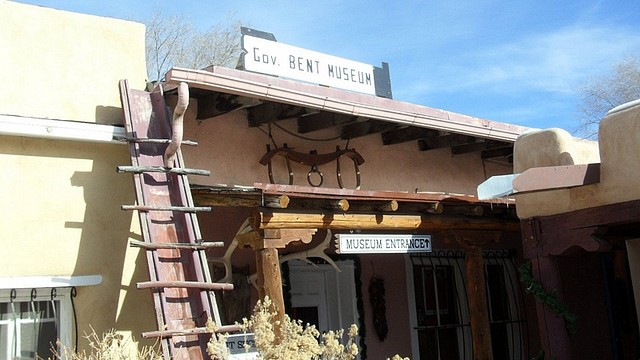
column 478, row 307
column 472, row 241
column 554, row 336
column 269, row 280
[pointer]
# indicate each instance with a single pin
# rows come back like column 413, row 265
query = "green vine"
column 548, row 299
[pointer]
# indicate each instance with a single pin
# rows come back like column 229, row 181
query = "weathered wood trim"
column 554, row 234
column 274, row 238
column 556, row 177
column 210, row 197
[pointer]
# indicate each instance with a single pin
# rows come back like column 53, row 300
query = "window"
column 32, row 321
column 441, row 320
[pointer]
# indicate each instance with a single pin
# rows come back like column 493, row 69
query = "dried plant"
column 398, row 357
column 110, row 346
column 294, row 340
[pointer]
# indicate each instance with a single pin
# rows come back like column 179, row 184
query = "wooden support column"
column 478, row 307
column 554, row 336
column 269, row 280
column 473, row 241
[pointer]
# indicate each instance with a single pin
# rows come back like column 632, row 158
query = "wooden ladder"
column 179, row 274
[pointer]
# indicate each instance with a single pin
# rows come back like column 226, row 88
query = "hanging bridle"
column 313, row 160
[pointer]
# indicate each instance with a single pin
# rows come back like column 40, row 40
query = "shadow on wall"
column 104, row 248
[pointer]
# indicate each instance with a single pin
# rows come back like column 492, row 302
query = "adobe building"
column 297, row 169
column 578, row 205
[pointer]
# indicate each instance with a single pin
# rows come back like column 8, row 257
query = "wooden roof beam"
column 323, row 120
column 214, row 104
column 270, row 219
column 504, row 151
column 210, row 197
column 406, row 134
column 367, row 127
column 271, row 111
column 436, row 142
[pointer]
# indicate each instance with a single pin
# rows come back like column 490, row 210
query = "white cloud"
column 551, row 62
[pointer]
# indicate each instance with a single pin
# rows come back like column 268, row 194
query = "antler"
column 226, row 258
column 316, row 252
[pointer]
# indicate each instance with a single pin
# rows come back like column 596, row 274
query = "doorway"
column 322, row 296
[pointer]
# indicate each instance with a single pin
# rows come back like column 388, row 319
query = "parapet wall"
column 617, row 150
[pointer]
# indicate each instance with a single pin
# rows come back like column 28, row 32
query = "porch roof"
column 290, row 206
column 269, row 99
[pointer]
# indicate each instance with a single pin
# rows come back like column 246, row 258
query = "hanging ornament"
column 376, row 296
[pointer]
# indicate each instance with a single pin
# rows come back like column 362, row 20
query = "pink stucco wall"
column 231, row 150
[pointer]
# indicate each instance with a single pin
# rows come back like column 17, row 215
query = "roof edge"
column 254, row 85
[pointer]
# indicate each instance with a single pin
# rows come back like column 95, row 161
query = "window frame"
column 63, row 307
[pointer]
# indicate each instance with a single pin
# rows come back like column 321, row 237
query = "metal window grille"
column 442, row 311
column 29, row 325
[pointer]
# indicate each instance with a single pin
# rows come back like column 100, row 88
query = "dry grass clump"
column 296, row 342
column 110, row 346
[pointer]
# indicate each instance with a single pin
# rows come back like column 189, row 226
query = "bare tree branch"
column 173, row 41
column 601, row 94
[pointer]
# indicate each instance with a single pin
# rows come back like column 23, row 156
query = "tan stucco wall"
column 61, row 65
column 61, row 212
column 550, row 147
column 617, row 149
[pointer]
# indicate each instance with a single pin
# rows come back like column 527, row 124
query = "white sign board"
column 383, row 244
column 274, row 58
column 236, row 345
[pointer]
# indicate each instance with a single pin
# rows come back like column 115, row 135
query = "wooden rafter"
column 408, row 133
column 270, row 111
column 367, row 127
column 436, row 142
column 323, row 120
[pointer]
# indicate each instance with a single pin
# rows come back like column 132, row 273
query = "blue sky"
column 513, row 61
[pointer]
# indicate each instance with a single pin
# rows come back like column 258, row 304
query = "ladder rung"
column 184, row 332
column 161, row 169
column 188, row 246
column 158, row 141
column 166, row 208
column 185, row 284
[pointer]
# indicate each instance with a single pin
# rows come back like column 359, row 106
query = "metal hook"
column 314, row 170
column 356, row 170
column 34, row 294
column 13, row 295
column 54, row 293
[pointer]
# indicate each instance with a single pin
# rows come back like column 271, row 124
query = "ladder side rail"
column 199, row 257
column 134, row 151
